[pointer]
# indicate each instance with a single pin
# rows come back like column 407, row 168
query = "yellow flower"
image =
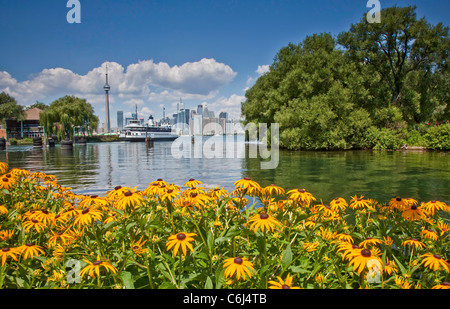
column 413, row 213
column 338, row 204
column 6, row 181
column 30, row 250
column 241, row 266
column 3, row 210
column 129, row 199
column 443, row 227
column 94, row 268
column 301, row 196
column 272, row 190
column 117, row 192
column 182, row 240
column 443, row 285
column 87, row 216
column 218, row 193
column 359, row 202
column 8, row 252
column 390, row 267
column 359, row 258
column 36, row 224
column 310, row 246
column 370, row 241
column 434, row 261
column 282, row 284
column 345, row 237
column 432, row 206
column 414, row 243
column 3, row 167
column 4, row 235
column 247, row 186
column 169, row 194
column 263, row 221
column 137, row 247
column 59, row 237
column 398, row 203
column 427, row 233
column 388, row 241
column 192, row 183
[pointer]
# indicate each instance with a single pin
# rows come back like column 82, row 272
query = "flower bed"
column 189, row 236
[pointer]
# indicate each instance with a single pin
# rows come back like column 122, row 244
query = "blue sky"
column 160, row 51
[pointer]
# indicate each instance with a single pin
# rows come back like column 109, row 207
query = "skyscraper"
column 119, row 120
column 107, row 120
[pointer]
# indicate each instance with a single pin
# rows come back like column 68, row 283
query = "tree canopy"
column 9, row 108
column 352, row 90
column 66, row 113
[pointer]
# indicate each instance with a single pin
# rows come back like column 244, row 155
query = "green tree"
column 66, row 113
column 406, row 52
column 10, row 109
column 40, row 105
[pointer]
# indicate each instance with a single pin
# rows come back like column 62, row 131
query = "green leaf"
column 402, row 268
column 287, row 257
column 127, row 279
column 208, row 284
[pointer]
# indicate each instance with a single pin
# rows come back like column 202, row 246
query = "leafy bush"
column 438, row 137
column 380, row 139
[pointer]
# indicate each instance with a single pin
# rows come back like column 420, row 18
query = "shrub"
column 438, row 137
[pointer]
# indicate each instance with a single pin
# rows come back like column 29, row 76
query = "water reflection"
column 99, row 167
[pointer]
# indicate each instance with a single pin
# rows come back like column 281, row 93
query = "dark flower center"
column 45, row 211
column 264, row 216
column 285, row 287
column 35, row 221
column 128, row 193
column 97, row 263
column 194, row 194
column 192, row 179
column 94, row 196
column 5, row 249
column 446, row 283
column 85, row 211
column 301, row 190
column 437, row 256
column 169, row 191
column 247, row 178
column 5, row 179
column 181, row 236
column 398, row 199
column 28, row 244
column 117, row 187
column 413, row 207
column 238, row 260
column 159, row 179
column 366, row 253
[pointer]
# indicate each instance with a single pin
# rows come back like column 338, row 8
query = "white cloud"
column 263, row 69
column 199, row 80
column 231, row 105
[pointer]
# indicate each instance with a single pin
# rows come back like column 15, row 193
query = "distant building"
column 28, row 128
column 119, row 120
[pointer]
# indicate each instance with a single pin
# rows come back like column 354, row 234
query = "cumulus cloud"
column 231, row 105
column 263, row 69
column 201, row 79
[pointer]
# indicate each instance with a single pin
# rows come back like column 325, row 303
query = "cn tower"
column 107, row 88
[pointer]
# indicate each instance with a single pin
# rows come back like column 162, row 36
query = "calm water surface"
column 98, row 167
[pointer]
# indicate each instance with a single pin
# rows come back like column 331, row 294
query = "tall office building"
column 119, row 120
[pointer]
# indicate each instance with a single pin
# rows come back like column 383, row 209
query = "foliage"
column 21, row 141
column 438, row 137
column 327, row 93
column 66, row 113
column 124, row 235
column 9, row 108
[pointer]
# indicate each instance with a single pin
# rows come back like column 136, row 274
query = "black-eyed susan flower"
column 129, row 200
column 59, row 237
column 301, row 196
column 117, row 192
column 3, row 210
column 398, row 203
column 310, row 246
column 434, row 262
column 93, row 268
column 388, row 241
column 414, row 243
column 3, row 167
column 443, row 227
column 390, row 267
column 338, row 203
column 443, row 286
column 428, row 233
column 218, row 193
column 33, row 224
column 369, row 241
column 273, row 190
column 8, row 252
column 87, row 216
column 182, row 240
column 263, row 221
column 6, row 182
column 169, row 195
column 413, row 213
column 247, row 186
column 432, row 206
column 6, row 234
column 30, row 250
column 239, row 266
column 359, row 202
column 137, row 247
column 192, row 183
column 360, row 257
column 44, row 216
column 345, row 237
column 285, row 284
column 94, row 200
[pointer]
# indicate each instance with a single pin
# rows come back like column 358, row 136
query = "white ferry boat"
column 134, row 131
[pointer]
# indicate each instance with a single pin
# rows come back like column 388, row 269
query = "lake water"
column 381, row 175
